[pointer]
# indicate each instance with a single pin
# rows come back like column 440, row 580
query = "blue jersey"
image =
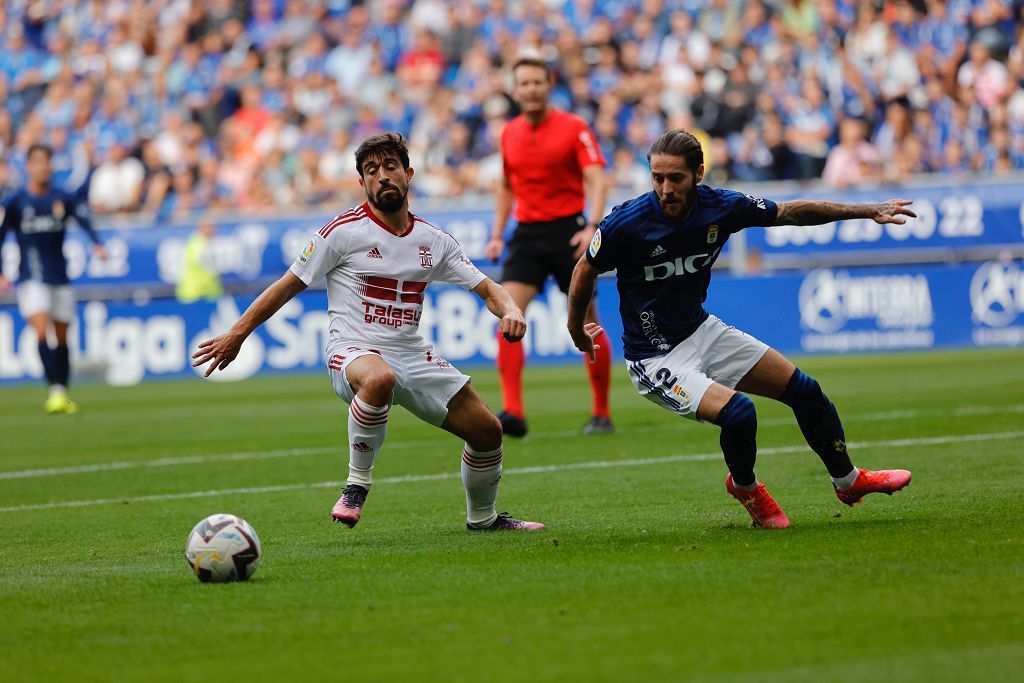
column 39, row 222
column 664, row 265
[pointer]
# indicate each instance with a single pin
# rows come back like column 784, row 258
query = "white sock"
column 367, row 426
column 845, row 483
column 481, row 472
column 58, row 390
column 747, row 487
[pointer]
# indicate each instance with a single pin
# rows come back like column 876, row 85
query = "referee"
column 551, row 163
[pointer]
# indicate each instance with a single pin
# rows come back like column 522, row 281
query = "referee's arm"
column 595, row 189
column 502, row 209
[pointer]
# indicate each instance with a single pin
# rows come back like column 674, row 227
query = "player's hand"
column 581, row 240
column 5, row 285
column 893, row 211
column 513, row 326
column 221, row 350
column 100, row 251
column 494, row 249
column 584, row 340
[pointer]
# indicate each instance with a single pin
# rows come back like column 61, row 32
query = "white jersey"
column 376, row 279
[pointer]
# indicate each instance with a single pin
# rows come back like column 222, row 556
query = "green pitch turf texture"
column 647, row 572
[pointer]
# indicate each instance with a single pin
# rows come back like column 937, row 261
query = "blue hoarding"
column 249, row 249
column 822, row 311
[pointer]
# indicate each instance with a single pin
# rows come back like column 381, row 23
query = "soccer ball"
column 223, row 548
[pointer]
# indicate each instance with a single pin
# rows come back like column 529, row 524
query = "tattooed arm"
column 809, row 212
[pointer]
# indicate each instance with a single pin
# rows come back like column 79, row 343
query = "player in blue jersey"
column 38, row 214
column 662, row 245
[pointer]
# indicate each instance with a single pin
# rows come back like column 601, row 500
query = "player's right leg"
column 675, row 382
column 470, row 419
column 734, row 413
column 366, row 381
column 511, row 359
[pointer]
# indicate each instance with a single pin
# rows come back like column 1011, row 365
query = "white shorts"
column 38, row 297
column 715, row 352
column 426, row 382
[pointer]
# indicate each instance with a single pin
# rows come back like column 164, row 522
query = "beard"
column 389, row 202
column 681, row 206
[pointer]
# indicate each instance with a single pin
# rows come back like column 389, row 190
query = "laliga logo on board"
column 997, row 294
column 829, row 300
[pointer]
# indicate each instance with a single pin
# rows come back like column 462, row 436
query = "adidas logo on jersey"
column 374, row 253
column 658, row 251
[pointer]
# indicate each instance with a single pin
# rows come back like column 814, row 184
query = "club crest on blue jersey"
column 712, row 233
column 58, row 210
column 595, row 244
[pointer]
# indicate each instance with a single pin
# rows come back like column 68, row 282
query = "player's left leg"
column 470, row 419
column 60, row 309
column 62, row 366
column 774, row 376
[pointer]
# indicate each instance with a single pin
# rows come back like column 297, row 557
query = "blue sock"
column 47, row 356
column 819, row 422
column 738, row 420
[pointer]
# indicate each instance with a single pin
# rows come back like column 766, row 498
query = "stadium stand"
column 169, row 107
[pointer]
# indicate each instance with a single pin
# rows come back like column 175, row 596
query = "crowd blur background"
column 168, row 107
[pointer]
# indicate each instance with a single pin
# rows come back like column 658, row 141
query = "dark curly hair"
column 383, row 146
column 679, row 143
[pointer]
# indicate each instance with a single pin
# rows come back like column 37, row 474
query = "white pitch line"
column 320, row 450
column 537, row 469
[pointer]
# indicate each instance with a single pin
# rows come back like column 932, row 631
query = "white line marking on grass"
column 320, row 450
column 537, row 469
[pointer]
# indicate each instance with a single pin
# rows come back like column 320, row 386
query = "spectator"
column 116, row 185
column 983, row 74
column 809, row 130
column 854, row 160
column 232, row 95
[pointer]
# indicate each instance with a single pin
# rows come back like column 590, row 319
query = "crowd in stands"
column 172, row 106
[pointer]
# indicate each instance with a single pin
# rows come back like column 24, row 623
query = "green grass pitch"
column 648, row 571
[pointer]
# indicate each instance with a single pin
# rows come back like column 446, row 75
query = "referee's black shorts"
column 538, row 250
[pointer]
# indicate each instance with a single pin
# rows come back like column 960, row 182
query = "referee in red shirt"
column 551, row 164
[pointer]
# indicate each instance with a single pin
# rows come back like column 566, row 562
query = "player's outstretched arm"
column 810, row 212
column 223, row 349
column 503, row 307
column 581, row 291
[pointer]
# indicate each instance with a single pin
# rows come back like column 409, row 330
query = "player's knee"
column 488, row 434
column 739, row 414
column 803, row 390
column 379, row 384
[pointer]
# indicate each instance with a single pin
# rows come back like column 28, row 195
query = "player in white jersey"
column 378, row 259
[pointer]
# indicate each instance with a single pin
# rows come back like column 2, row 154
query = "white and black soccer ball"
column 223, row 548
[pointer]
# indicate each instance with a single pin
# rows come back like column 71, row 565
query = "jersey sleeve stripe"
column 347, row 217
column 624, row 216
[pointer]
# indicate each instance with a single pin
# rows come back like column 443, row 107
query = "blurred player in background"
column 378, row 259
column 38, row 214
column 552, row 163
column 663, row 245
column 199, row 278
